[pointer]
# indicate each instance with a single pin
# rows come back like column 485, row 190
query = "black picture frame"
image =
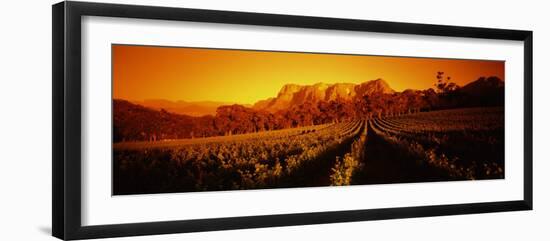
column 66, row 75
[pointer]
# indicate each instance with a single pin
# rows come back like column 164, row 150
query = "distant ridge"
column 483, row 86
column 196, row 108
column 485, row 91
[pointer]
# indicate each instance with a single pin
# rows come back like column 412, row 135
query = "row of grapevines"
column 466, row 148
column 344, row 168
column 231, row 164
column 283, row 133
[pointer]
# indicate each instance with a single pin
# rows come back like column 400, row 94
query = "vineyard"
column 455, row 144
column 459, row 144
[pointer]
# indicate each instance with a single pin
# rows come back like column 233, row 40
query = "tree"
column 444, row 84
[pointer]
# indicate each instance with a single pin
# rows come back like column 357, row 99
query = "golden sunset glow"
column 239, row 76
column 248, row 119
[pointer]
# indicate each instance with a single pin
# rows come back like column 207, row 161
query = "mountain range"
column 294, row 106
column 293, row 95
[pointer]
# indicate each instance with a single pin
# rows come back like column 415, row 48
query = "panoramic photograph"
column 189, row 119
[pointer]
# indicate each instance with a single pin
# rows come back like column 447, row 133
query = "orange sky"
column 240, row 76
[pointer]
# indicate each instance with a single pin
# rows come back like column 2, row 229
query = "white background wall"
column 25, row 121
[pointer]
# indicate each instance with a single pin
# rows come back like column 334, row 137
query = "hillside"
column 136, row 122
column 482, row 92
column 198, row 108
